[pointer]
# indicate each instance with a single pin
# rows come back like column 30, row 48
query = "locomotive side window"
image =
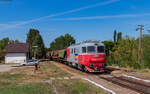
column 100, row 49
column 91, row 48
column 83, row 49
column 72, row 51
column 77, row 50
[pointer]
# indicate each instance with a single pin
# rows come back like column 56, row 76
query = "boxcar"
column 48, row 55
column 62, row 55
column 55, row 55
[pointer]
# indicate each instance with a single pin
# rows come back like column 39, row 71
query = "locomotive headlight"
column 91, row 65
column 103, row 65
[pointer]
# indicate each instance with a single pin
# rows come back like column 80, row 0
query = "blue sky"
column 84, row 19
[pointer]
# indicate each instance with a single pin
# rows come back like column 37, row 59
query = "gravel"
column 6, row 68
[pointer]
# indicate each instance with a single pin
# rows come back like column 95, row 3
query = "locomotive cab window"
column 83, row 49
column 91, row 49
column 72, row 51
column 77, row 50
column 100, row 49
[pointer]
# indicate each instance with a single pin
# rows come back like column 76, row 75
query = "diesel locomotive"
column 87, row 56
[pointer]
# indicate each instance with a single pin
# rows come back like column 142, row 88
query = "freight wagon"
column 87, row 56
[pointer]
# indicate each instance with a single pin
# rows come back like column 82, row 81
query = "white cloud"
column 61, row 13
column 101, row 17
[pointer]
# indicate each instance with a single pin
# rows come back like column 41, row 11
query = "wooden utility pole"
column 140, row 44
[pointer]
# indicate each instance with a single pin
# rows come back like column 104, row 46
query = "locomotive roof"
column 88, row 43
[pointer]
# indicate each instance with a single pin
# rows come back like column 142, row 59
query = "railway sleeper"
column 131, row 85
column 127, row 84
column 135, row 81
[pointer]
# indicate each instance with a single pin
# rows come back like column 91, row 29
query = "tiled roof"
column 18, row 48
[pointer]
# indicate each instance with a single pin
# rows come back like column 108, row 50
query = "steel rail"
column 133, row 85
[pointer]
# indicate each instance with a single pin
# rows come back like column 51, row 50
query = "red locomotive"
column 87, row 56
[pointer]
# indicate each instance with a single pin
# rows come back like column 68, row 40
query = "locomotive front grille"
column 91, row 65
column 97, row 69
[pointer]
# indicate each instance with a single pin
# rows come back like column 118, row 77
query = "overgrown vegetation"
column 124, row 52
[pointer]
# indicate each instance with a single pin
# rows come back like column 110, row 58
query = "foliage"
column 68, row 40
column 146, row 52
column 119, row 36
column 109, row 46
column 62, row 42
column 31, row 35
column 34, row 39
column 124, row 53
column 40, row 50
column 47, row 49
column 115, row 35
column 3, row 45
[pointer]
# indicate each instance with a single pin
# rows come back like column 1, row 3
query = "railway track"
column 129, row 83
column 138, row 86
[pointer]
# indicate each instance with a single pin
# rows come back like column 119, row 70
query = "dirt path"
column 116, row 88
column 6, row 68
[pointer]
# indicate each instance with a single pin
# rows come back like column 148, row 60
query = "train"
column 87, row 56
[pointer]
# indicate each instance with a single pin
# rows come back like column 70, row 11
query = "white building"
column 17, row 53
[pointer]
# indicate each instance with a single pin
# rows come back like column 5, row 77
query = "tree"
column 62, row 42
column 69, row 40
column 16, row 41
column 146, row 51
column 34, row 39
column 3, row 45
column 52, row 46
column 115, row 35
column 40, row 50
column 31, row 35
column 124, row 53
column 108, row 46
column 119, row 36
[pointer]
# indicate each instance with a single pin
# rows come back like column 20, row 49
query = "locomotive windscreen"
column 91, row 48
column 100, row 49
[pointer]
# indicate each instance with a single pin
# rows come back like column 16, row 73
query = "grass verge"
column 31, row 88
column 77, row 86
column 22, row 80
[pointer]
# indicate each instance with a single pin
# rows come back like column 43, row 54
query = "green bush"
column 125, row 53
